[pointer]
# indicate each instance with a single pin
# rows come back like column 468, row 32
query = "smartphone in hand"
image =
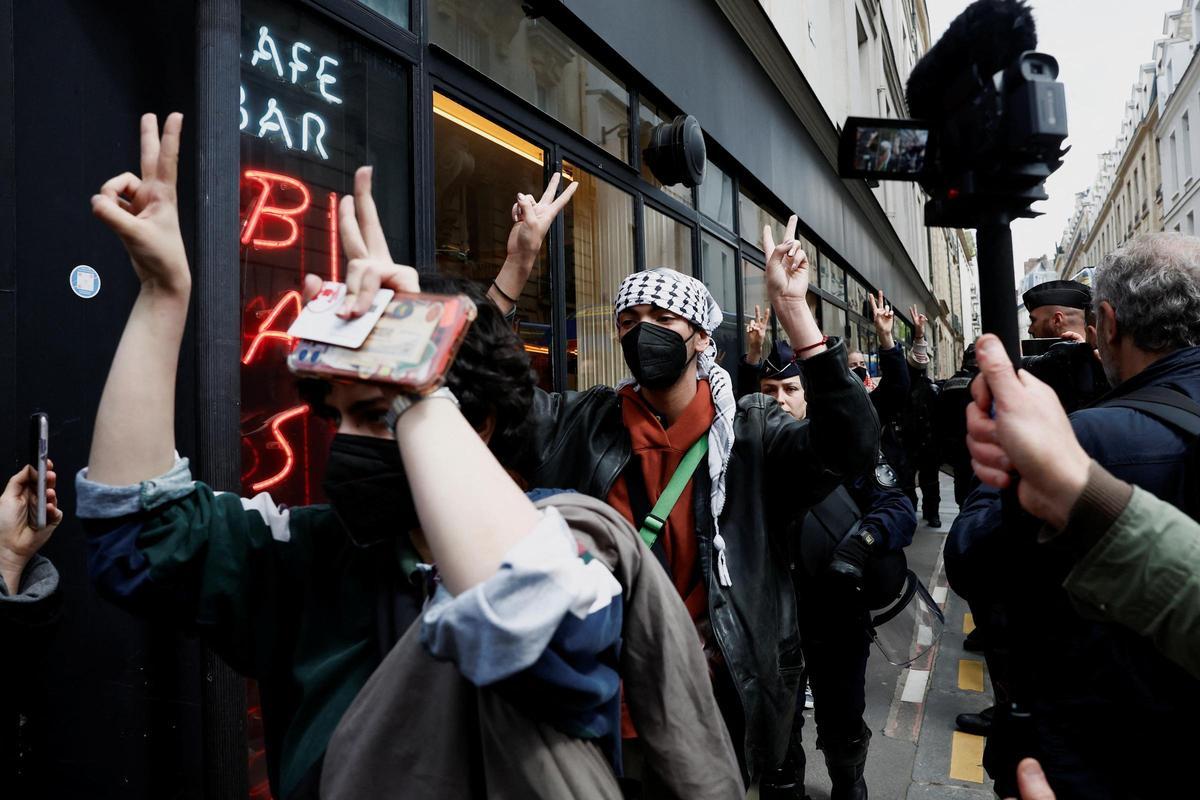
column 39, row 448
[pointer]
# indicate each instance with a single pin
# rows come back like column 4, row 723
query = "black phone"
column 1036, row 347
column 39, row 448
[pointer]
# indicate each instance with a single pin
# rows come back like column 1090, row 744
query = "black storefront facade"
column 459, row 105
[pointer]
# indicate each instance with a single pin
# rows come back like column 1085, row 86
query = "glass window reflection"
column 668, row 242
column 719, row 267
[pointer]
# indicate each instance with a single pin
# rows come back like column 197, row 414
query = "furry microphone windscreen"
column 988, row 35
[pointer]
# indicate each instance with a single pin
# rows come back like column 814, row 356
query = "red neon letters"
column 264, row 330
column 288, row 455
column 259, row 209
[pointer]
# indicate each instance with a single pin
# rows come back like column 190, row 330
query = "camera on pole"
column 989, row 121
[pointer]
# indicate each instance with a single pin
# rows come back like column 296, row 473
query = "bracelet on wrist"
column 503, row 293
column 797, row 351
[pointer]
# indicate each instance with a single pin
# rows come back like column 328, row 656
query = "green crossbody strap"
column 653, row 524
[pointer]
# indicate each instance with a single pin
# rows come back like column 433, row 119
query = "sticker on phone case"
column 319, row 322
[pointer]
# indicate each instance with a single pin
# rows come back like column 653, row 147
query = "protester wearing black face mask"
column 753, row 469
column 335, row 585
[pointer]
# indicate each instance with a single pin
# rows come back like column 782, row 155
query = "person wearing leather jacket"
column 723, row 542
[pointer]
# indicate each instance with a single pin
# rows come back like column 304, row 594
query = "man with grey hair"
column 1096, row 703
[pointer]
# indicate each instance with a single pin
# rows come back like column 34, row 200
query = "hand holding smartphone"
column 411, row 344
column 39, row 449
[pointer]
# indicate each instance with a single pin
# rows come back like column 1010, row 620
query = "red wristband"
column 812, row 346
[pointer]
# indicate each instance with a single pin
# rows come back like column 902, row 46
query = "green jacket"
column 1139, row 565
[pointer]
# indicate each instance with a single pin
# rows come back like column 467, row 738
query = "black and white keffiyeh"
column 690, row 299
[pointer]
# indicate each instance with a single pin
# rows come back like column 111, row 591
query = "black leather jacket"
column 778, row 468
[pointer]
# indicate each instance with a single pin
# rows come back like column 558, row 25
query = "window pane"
column 539, row 63
column 754, row 293
column 833, row 320
column 301, row 140
column 395, row 10
column 668, row 242
column 833, row 279
column 719, row 267
column 599, row 253
column 648, row 120
column 478, row 169
column 856, row 295
column 751, row 219
column 716, row 195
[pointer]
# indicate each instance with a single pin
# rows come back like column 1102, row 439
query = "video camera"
column 990, row 121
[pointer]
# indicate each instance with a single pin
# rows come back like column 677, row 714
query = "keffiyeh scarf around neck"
column 689, row 298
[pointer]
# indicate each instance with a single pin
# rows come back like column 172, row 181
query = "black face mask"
column 861, row 372
column 655, row 355
column 366, row 484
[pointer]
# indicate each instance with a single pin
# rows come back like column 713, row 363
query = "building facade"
column 458, row 106
column 1179, row 112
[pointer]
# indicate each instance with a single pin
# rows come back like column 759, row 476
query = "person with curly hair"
column 428, row 550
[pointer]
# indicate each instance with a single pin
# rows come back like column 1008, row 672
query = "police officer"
column 1062, row 310
column 843, row 548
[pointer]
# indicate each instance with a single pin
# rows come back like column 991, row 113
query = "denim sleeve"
column 503, row 625
column 101, row 501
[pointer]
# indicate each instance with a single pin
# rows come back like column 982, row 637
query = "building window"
column 754, row 295
column 716, row 195
column 479, row 167
column 302, row 137
column 1191, row 223
column 599, row 254
column 668, row 242
column 832, row 278
column 833, row 321
column 719, row 270
column 395, row 10
column 1174, row 164
column 537, row 62
column 1187, row 149
column 751, row 219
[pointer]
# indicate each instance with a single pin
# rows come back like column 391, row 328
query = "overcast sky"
column 1099, row 45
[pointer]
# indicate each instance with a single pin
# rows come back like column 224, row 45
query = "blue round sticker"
column 85, row 282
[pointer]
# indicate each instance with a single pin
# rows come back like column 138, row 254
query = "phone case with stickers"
column 412, row 345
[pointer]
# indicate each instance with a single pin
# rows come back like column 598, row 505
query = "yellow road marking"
column 966, row 757
column 968, row 623
column 970, row 675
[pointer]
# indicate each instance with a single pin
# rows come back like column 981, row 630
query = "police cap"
column 1070, row 294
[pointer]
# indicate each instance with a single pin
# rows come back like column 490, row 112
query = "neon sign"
column 274, row 123
column 289, row 455
column 286, row 215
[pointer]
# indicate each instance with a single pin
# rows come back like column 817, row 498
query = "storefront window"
column 395, row 10
column 832, row 277
column 539, row 63
column 314, row 104
column 479, row 167
column 648, row 119
column 716, row 195
column 668, row 242
column 752, row 217
column 599, row 253
column 719, row 267
column 856, row 294
column 754, row 293
column 833, row 322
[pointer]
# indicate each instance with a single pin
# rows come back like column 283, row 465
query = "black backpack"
column 1179, row 411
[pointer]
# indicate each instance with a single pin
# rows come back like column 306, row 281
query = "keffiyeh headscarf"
column 689, row 298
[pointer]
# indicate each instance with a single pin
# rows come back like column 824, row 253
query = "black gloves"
column 850, row 559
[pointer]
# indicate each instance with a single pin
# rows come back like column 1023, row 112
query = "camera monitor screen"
column 883, row 149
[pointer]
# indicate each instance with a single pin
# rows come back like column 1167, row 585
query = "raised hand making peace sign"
column 756, row 334
column 885, row 319
column 369, row 265
column 787, row 265
column 531, row 223
column 919, row 321
column 788, row 276
column 144, row 211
